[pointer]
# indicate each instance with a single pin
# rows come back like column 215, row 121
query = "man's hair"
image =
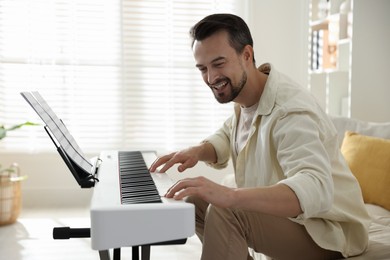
column 235, row 26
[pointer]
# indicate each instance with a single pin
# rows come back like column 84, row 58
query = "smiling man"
column 296, row 197
column 225, row 90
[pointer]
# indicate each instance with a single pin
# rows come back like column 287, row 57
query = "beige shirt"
column 295, row 143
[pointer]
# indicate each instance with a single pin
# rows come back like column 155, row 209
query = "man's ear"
column 247, row 53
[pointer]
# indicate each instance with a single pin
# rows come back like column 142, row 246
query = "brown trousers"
column 226, row 234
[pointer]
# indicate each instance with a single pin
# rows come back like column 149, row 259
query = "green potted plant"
column 10, row 187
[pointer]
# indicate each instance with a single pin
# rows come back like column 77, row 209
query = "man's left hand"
column 218, row 195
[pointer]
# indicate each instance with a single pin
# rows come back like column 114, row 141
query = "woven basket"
column 10, row 195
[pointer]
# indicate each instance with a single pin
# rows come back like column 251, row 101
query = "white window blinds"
column 120, row 74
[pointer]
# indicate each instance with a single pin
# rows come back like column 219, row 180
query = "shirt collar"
column 268, row 97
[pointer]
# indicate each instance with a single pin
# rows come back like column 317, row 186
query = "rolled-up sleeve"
column 304, row 159
column 221, row 143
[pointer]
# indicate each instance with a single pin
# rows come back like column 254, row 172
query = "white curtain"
column 120, row 74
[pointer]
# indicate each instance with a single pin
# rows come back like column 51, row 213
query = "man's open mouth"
column 219, row 85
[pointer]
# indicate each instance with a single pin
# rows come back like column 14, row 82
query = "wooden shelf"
column 329, row 71
column 319, row 25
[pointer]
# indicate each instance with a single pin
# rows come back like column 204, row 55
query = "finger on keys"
column 175, row 188
column 160, row 161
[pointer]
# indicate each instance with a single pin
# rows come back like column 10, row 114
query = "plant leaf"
column 28, row 123
column 2, row 132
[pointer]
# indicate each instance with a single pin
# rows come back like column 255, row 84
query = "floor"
column 30, row 238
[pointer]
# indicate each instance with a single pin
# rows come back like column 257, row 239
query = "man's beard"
column 234, row 90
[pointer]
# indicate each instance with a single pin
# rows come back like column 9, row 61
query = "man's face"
column 221, row 67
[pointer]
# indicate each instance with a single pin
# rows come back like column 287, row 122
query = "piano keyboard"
column 136, row 183
column 125, row 219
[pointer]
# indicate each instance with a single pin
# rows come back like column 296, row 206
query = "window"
column 120, row 74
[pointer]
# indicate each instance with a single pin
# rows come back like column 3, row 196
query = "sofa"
column 366, row 147
column 373, row 143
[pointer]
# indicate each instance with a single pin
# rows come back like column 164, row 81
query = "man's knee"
column 218, row 215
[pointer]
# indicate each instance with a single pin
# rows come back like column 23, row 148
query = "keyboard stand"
column 145, row 253
column 105, row 254
column 67, row 233
column 145, row 250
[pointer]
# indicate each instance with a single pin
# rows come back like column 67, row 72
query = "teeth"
column 219, row 85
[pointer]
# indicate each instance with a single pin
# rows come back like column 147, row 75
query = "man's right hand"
column 187, row 158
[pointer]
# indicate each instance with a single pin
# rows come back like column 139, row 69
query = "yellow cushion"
column 369, row 160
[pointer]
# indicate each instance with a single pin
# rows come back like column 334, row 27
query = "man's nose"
column 212, row 76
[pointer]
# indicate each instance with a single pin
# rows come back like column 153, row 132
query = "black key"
column 137, row 185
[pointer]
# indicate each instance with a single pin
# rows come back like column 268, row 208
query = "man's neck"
column 253, row 89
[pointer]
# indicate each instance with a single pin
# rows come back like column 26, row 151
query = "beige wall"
column 280, row 32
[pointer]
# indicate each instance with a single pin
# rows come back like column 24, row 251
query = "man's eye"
column 218, row 65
